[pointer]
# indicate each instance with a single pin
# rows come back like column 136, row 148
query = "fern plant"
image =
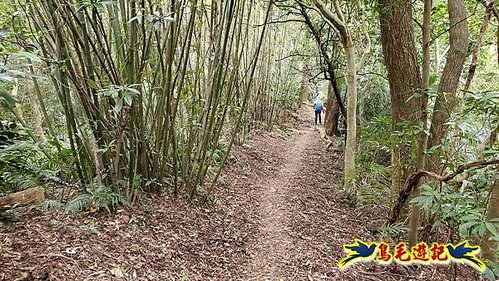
column 52, row 204
column 388, row 232
column 96, row 198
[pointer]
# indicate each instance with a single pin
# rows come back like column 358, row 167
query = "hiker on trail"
column 318, row 108
column 315, row 94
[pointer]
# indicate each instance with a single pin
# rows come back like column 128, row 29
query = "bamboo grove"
column 155, row 93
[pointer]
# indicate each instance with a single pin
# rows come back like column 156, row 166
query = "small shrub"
column 372, row 179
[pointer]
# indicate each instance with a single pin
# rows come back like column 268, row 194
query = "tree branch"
column 450, row 27
column 323, row 50
column 279, row 21
column 333, row 19
column 490, row 5
column 294, row 55
column 414, row 178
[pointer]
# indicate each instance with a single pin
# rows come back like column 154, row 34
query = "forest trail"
column 301, row 220
column 274, row 246
column 277, row 214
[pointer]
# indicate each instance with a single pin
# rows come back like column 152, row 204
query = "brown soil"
column 279, row 216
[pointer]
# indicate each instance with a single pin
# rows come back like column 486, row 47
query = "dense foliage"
column 144, row 97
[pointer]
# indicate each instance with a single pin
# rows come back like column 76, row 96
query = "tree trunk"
column 422, row 139
column 305, row 89
column 336, row 20
column 351, row 142
column 332, row 113
column 447, row 100
column 37, row 116
column 437, row 54
column 490, row 247
column 399, row 50
column 476, row 50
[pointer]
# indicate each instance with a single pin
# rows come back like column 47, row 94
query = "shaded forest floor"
column 278, row 216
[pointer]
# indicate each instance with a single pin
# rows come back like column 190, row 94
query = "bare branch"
column 279, row 21
column 476, row 50
column 491, row 5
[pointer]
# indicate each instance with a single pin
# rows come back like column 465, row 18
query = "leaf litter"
column 278, row 216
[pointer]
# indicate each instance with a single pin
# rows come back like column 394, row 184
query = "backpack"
column 318, row 105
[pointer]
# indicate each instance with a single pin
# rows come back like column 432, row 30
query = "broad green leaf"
column 132, row 90
column 416, row 200
column 491, row 227
column 118, row 105
column 481, row 229
column 489, row 275
column 17, row 73
column 7, row 78
column 471, row 217
column 463, row 228
column 108, row 2
column 128, row 99
column 27, row 55
column 7, row 97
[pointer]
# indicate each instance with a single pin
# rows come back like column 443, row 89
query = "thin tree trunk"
column 37, row 116
column 437, row 54
column 476, row 50
column 41, row 103
column 423, row 139
column 351, row 112
column 446, row 100
column 336, row 20
column 490, row 247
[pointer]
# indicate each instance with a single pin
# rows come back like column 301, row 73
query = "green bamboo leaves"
column 162, row 88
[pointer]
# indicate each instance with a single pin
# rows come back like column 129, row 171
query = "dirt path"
column 278, row 215
column 274, row 244
column 299, row 233
column 303, row 219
